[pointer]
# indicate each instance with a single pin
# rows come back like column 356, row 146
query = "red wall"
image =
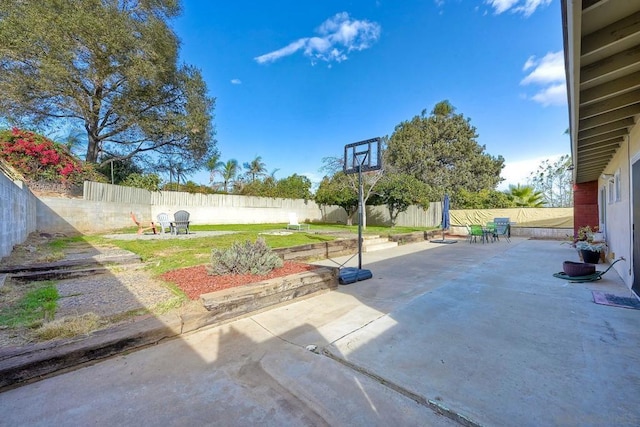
column 585, row 205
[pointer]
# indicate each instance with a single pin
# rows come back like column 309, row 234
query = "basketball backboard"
column 363, row 156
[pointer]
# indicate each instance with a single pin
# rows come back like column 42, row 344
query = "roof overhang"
column 602, row 64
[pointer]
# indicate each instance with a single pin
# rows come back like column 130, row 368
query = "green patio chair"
column 490, row 231
column 475, row 231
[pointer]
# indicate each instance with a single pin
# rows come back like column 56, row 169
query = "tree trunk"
column 364, row 217
column 393, row 216
column 93, row 149
column 350, row 214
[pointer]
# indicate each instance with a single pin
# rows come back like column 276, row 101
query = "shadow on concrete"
column 483, row 333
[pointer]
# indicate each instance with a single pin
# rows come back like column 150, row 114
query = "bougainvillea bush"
column 40, row 159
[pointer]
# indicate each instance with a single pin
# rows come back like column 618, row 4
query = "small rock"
column 312, row 347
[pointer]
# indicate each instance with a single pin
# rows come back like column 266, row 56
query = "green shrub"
column 243, row 258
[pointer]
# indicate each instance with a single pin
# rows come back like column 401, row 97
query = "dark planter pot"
column 590, row 257
column 578, row 268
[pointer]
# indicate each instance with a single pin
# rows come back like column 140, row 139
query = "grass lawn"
column 168, row 254
column 163, row 255
column 35, row 302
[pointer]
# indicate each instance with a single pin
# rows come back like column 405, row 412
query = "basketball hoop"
column 359, row 157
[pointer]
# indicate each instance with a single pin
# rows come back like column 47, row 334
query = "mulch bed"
column 195, row 281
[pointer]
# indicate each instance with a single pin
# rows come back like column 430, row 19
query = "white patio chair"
column 164, row 222
column 294, row 224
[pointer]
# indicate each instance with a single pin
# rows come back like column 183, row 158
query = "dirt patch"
column 33, row 250
column 195, row 281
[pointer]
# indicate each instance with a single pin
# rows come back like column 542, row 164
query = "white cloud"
column 552, row 95
column 549, row 69
column 290, row 49
column 531, row 62
column 547, row 74
column 337, row 36
column 501, row 5
column 519, row 172
column 236, row 82
column 525, row 7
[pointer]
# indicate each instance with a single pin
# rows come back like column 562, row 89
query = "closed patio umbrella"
column 446, row 222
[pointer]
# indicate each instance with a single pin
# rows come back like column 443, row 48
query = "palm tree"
column 214, row 166
column 272, row 175
column 525, row 196
column 255, row 168
column 229, row 172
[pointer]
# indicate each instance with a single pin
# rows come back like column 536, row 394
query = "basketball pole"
column 360, row 157
column 360, row 216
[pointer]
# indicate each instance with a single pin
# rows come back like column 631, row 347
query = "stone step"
column 380, row 246
column 120, row 259
column 58, row 274
column 376, row 241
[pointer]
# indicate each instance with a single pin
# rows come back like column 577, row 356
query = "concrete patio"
column 465, row 334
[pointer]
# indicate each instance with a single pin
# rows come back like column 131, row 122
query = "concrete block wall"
column 79, row 216
column 585, row 205
column 241, row 214
column 17, row 214
column 530, row 232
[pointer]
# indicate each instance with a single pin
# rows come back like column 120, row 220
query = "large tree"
column 337, row 190
column 294, row 187
column 398, row 192
column 553, row 180
column 441, row 150
column 111, row 67
column 348, row 182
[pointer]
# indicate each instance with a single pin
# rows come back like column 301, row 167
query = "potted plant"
column 589, row 243
column 590, row 251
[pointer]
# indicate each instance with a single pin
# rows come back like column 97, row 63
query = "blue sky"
column 295, row 81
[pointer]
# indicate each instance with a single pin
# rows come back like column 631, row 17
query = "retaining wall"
column 17, row 213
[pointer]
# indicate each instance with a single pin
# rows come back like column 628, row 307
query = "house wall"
column 618, row 224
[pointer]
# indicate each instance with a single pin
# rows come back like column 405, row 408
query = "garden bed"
column 195, row 281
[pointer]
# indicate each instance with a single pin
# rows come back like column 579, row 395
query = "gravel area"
column 110, row 294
